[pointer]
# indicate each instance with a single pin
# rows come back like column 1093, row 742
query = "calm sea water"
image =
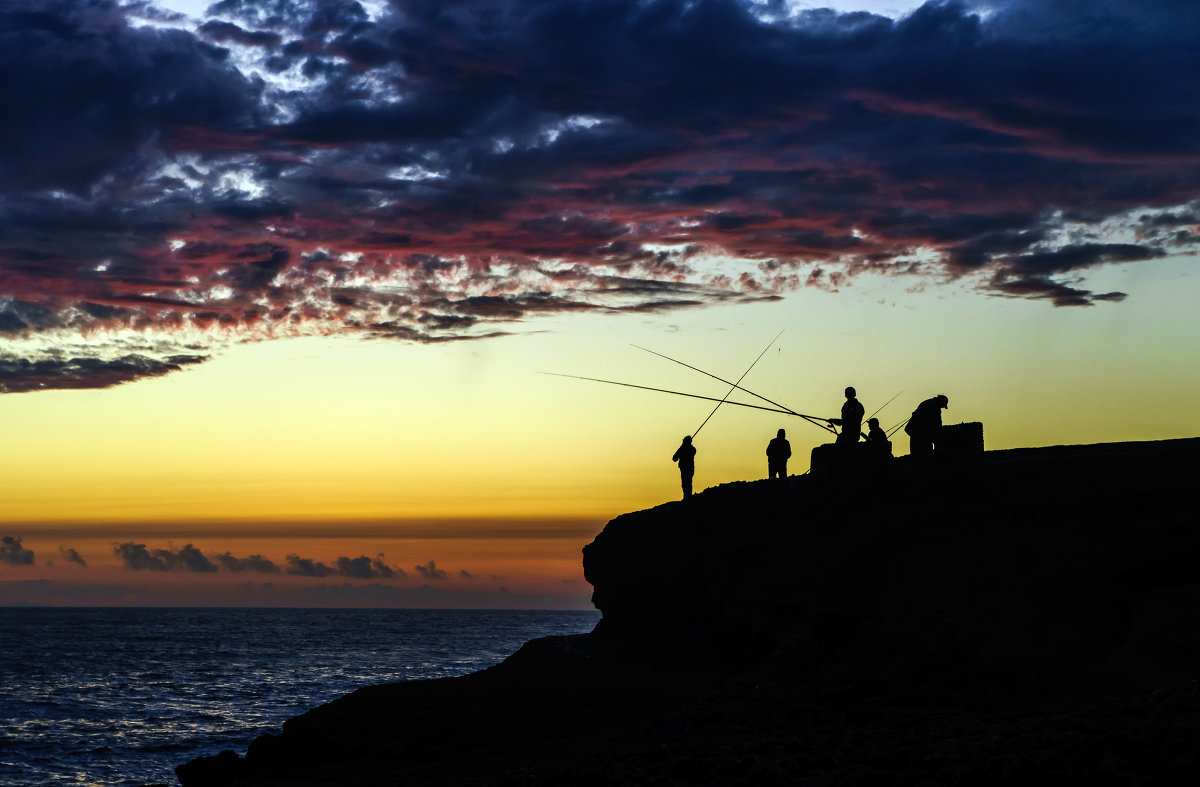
column 122, row 696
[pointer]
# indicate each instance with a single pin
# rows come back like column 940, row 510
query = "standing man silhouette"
column 851, row 420
column 779, row 450
column 685, row 455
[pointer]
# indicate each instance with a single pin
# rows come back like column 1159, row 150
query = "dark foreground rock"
column 1032, row 618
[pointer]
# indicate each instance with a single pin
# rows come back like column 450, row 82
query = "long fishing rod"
column 664, row 390
column 734, row 386
column 885, row 404
column 893, row 430
column 812, row 419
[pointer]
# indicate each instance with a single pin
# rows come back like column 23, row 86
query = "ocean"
column 122, row 696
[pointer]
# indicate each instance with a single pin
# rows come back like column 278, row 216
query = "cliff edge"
column 1075, row 558
column 1028, row 615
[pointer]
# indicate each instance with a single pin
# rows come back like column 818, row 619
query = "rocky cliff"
column 1081, row 557
column 1031, row 614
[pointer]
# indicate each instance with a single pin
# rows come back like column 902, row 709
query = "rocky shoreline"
column 1030, row 617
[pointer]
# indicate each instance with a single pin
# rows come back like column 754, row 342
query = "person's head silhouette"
column 873, row 422
column 781, row 433
column 850, row 394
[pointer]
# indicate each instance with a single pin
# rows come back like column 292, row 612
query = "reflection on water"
column 121, row 696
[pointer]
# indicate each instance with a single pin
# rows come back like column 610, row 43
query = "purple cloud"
column 444, row 170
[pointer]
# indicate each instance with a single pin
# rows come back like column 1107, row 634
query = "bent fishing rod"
column 823, row 423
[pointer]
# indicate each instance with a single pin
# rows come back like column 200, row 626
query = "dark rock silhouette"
column 1027, row 618
column 1027, row 558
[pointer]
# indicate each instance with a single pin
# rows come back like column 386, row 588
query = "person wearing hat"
column 924, row 424
column 878, row 439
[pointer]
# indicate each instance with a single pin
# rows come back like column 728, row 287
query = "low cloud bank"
column 12, row 553
column 71, row 556
column 430, row 571
column 139, row 557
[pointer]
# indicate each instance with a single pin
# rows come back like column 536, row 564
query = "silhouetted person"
column 685, row 455
column 878, row 439
column 923, row 427
column 851, row 420
column 779, row 450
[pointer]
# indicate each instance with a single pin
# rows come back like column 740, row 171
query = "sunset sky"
column 277, row 278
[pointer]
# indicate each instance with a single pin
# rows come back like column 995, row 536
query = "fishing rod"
column 885, row 404
column 877, row 409
column 734, row 386
column 812, row 419
column 664, row 390
column 892, row 431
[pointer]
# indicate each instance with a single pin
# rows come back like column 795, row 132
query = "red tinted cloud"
column 444, row 169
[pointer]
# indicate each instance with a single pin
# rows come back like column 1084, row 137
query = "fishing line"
column 734, row 386
column 812, row 419
column 664, row 390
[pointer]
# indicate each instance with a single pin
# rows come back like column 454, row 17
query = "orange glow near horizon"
column 472, row 571
column 462, row 454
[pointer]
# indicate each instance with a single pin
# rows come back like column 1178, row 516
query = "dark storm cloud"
column 1040, row 287
column 13, row 553
column 90, row 91
column 223, row 32
column 1085, row 255
column 1187, row 216
column 442, row 166
column 71, row 556
column 20, row 374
